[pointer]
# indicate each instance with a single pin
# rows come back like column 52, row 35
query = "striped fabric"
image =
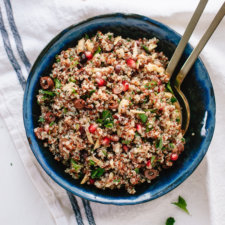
column 26, row 27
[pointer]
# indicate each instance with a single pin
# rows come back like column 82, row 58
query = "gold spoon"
column 194, row 55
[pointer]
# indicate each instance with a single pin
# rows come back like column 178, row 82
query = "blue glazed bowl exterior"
column 197, row 87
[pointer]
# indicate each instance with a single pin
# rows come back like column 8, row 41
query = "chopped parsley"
column 152, row 160
column 173, row 99
column 125, row 142
column 110, row 36
column 91, row 162
column 150, row 84
column 97, row 173
column 50, row 93
column 136, row 170
column 72, row 80
column 145, row 48
column 51, row 124
column 98, row 50
column 106, row 119
column 116, row 181
column 86, row 36
column 170, row 221
column 75, row 165
column 41, row 119
column 181, row 204
column 160, row 143
column 143, row 117
column 57, row 83
column 168, row 87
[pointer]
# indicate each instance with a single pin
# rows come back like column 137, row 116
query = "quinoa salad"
column 108, row 112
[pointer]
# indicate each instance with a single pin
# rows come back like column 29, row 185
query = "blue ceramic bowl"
column 197, row 87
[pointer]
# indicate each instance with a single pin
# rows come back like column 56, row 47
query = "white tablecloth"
column 27, row 26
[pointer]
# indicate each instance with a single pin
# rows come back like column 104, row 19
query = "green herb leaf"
column 171, row 146
column 143, row 117
column 108, row 125
column 116, row 181
column 98, row 50
column 50, row 93
column 152, row 160
column 110, row 36
column 91, row 162
column 65, row 110
column 125, row 142
column 181, row 204
column 150, row 84
column 86, row 36
column 41, row 119
column 76, row 166
column 183, row 139
column 160, row 143
column 72, row 80
column 145, row 48
column 91, row 92
column 170, row 221
column 173, row 99
column 136, row 170
column 51, row 124
column 168, row 87
column 97, row 173
column 74, row 63
column 106, row 119
column 57, row 83
column 57, row 60
column 178, row 120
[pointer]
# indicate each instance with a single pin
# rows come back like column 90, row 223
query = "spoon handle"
column 195, row 53
column 186, row 36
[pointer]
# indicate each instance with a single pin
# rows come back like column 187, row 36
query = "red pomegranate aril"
column 125, row 148
column 131, row 63
column 101, row 82
column 125, row 85
column 174, row 157
column 105, row 141
column 92, row 128
column 88, row 55
column 148, row 164
column 92, row 181
column 139, row 128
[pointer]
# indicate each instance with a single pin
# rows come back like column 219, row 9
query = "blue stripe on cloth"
column 76, row 208
column 9, row 52
column 22, row 81
column 88, row 211
column 16, row 35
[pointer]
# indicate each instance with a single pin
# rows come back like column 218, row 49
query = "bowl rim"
column 92, row 197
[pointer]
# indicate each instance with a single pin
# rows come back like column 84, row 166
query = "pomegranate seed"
column 88, row 55
column 148, row 164
column 125, row 148
column 92, row 181
column 101, row 82
column 174, row 157
column 131, row 63
column 125, row 85
column 105, row 141
column 139, row 128
column 92, row 128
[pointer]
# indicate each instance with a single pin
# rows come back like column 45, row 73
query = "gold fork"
column 194, row 55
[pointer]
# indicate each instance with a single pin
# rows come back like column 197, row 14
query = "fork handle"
column 186, row 36
column 195, row 53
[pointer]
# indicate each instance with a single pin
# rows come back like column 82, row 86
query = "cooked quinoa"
column 108, row 112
